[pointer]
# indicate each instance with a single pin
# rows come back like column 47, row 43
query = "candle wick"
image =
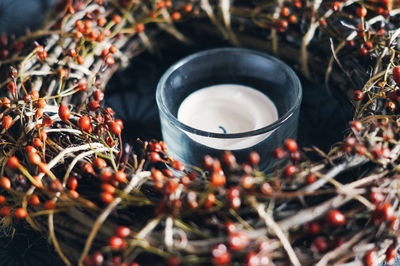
column 223, row 129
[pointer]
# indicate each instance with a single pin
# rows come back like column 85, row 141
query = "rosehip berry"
column 290, row 170
column 115, row 128
column 336, row 218
column 391, row 254
column 291, row 145
column 254, row 158
column 358, row 95
column 5, row 211
column 120, row 176
column 155, row 157
column 218, row 179
column 107, row 197
column 20, row 213
column 34, row 158
column 220, row 254
column 210, row 200
column 108, row 188
column 177, row 165
column 371, row 258
column 279, row 153
column 313, row 228
column 2, row 199
column 34, row 201
column 238, row 241
column 100, row 163
column 5, row 183
column 123, row 231
column 6, row 122
column 84, row 123
column 64, row 112
column 72, row 183
column 98, row 95
column 116, row 242
column 320, row 244
column 396, row 74
column 49, row 205
column 361, row 12
column 13, row 162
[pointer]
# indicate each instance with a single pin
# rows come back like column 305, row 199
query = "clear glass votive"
column 233, row 87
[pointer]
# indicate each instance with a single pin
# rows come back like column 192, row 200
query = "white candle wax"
column 227, row 108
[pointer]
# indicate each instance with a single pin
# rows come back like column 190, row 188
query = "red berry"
column 210, row 200
column 64, row 112
column 34, row 201
column 376, row 197
column 120, row 176
column 176, row 16
column 371, row 258
column 140, row 28
column 228, row 159
column 72, row 183
column 336, row 6
column 157, row 175
column 155, row 157
column 177, row 165
column 391, row 254
column 123, row 231
column 100, row 163
column 220, row 254
column 11, row 87
column 234, row 192
column 279, row 153
column 238, row 241
column 34, row 158
column 30, row 149
column 20, row 213
column 107, row 197
column 115, row 128
column 290, row 170
column 218, row 179
column 13, row 162
column 117, row 19
column 291, row 145
column 84, row 123
column 37, row 142
column 116, row 242
column 6, row 122
column 254, row 158
column 313, row 228
column 98, row 95
column 383, row 212
column 361, row 12
column 356, row 125
column 396, row 74
column 208, row 162
column 2, row 199
column 87, row 168
column 320, row 244
column 49, row 205
column 5, row 211
column 358, row 95
column 311, row 178
column 98, row 258
column 266, row 188
column 5, row 183
column 336, row 218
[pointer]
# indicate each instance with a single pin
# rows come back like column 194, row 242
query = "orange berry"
column 108, row 188
column 34, row 158
column 84, row 123
column 37, row 142
column 106, row 175
column 107, row 197
column 34, row 201
column 5, row 211
column 5, row 183
column 2, row 199
column 218, row 179
column 176, row 16
column 188, row 8
column 117, row 19
column 74, row 194
column 64, row 112
column 112, row 49
column 40, row 103
column 13, row 162
column 120, row 176
column 101, row 22
column 100, row 163
column 72, row 183
column 20, row 213
column 80, row 60
column 6, row 122
column 49, row 205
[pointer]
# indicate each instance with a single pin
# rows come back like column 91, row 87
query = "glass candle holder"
column 256, row 95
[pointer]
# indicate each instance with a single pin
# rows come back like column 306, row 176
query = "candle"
column 227, row 108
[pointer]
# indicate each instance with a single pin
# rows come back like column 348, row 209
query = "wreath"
column 67, row 172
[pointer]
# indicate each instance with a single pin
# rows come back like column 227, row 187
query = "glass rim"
column 268, row 128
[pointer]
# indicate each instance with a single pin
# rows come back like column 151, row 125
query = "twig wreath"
column 67, row 173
